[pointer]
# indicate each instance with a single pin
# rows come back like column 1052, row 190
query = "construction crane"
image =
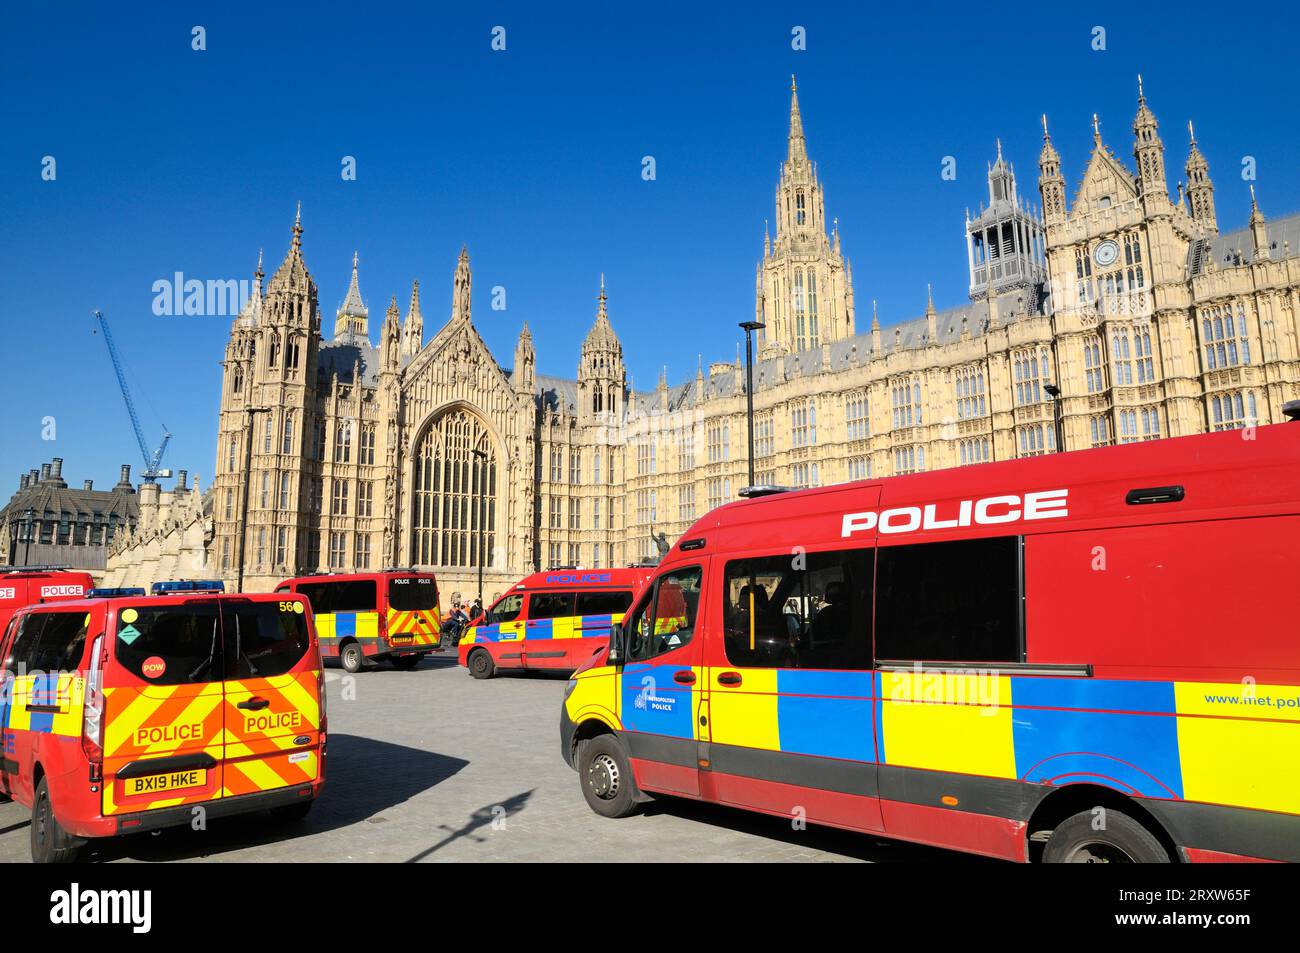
column 151, row 460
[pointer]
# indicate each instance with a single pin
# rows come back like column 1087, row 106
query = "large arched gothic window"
column 454, row 503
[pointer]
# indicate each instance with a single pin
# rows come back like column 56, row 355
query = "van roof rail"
column 55, row 567
column 750, row 492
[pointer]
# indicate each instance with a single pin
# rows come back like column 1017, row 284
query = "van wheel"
column 405, row 663
column 1124, row 841
column 481, row 664
column 606, row 777
column 352, row 658
column 50, row 842
column 292, row 813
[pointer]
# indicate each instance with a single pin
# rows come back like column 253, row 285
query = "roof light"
column 750, row 492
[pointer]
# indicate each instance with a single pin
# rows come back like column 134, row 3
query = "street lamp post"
column 31, row 528
column 481, row 457
column 1054, row 392
column 749, row 328
column 247, row 489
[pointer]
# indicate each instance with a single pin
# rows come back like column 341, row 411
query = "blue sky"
column 174, row 160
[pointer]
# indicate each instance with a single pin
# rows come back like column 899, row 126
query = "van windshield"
column 170, row 645
column 419, row 592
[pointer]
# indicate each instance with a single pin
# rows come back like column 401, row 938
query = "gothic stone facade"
column 1150, row 320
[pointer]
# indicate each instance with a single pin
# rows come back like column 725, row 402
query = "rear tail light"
column 92, row 720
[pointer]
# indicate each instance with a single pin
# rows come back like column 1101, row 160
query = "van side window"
column 186, row 640
column 667, row 620
column 603, row 603
column 809, row 611
column 355, row 595
column 950, row 602
column 50, row 642
column 262, row 638
column 550, row 605
column 508, row 609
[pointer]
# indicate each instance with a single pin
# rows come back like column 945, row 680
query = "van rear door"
column 272, row 696
column 163, row 693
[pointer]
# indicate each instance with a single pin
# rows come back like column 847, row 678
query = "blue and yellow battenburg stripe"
column 47, row 704
column 1229, row 744
column 338, row 625
column 564, row 627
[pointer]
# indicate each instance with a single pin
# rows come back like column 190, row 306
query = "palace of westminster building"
column 1150, row 320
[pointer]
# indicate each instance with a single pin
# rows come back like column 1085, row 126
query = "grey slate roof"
column 339, row 356
column 851, row 352
column 1224, row 248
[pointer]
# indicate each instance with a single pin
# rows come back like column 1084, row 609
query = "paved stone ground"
column 422, row 762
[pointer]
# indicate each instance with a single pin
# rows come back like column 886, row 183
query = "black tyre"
column 352, row 658
column 481, row 664
column 405, row 663
column 292, row 813
column 1122, row 840
column 51, row 844
column 606, row 777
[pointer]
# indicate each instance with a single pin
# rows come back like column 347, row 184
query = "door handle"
column 729, row 678
column 253, row 704
column 684, row 678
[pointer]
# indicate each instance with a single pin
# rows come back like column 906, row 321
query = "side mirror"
column 615, row 656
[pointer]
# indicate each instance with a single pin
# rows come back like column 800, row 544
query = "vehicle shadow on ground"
column 364, row 778
column 486, row 815
column 814, row 837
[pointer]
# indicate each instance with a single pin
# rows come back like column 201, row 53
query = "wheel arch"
column 1070, row 799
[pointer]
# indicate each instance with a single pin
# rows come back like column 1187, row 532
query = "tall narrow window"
column 454, row 505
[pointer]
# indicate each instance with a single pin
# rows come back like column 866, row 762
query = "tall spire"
column 352, row 303
column 413, row 326
column 798, row 151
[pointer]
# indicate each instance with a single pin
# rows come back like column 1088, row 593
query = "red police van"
column 389, row 615
column 38, row 584
column 1081, row 657
column 550, row 620
column 131, row 714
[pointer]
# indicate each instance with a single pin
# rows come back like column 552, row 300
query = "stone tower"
column 601, row 375
column 1005, row 241
column 268, row 397
column 805, row 288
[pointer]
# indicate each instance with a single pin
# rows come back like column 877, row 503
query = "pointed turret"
column 460, row 295
column 931, row 318
column 413, row 326
column 390, row 340
column 1051, row 184
column 251, row 314
column 1258, row 231
column 1149, row 151
column 524, row 377
column 352, row 321
column 875, row 329
column 1200, row 190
